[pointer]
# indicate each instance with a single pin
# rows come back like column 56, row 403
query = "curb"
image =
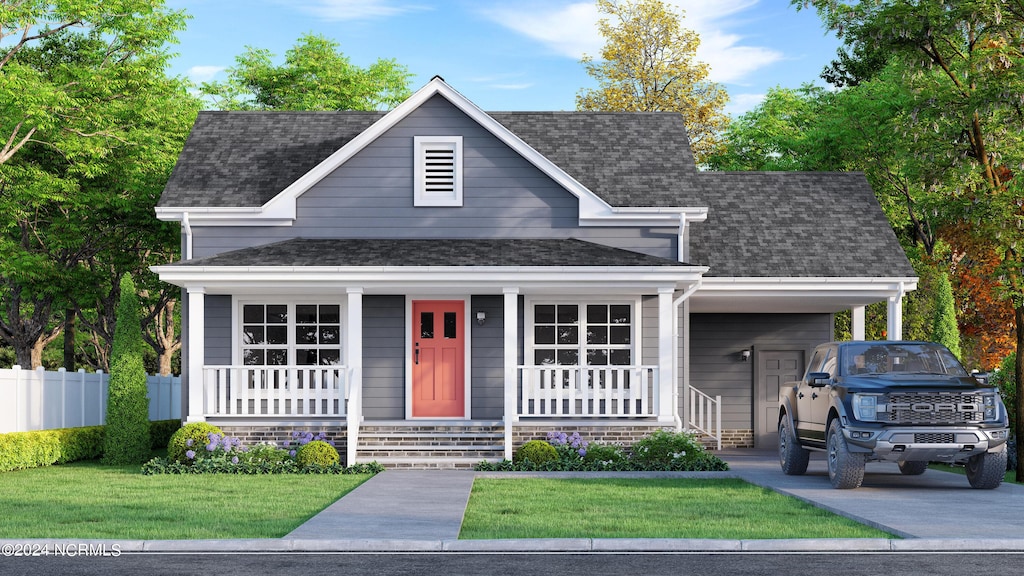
column 531, row 546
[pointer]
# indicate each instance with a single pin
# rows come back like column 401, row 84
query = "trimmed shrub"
column 537, row 452
column 192, row 436
column 660, row 448
column 945, row 330
column 317, row 452
column 20, row 450
column 160, row 432
column 604, row 453
column 127, row 436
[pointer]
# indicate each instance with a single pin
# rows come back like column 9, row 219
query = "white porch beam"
column 894, row 330
column 666, row 370
column 511, row 339
column 196, row 353
column 354, row 360
column 857, row 322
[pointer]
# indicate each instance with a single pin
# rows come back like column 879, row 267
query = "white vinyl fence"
column 41, row 400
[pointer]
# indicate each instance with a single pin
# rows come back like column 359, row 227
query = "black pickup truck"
column 905, row 402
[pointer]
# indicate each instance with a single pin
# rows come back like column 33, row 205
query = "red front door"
column 438, row 358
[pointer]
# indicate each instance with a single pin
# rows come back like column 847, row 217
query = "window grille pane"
column 544, row 334
column 620, row 358
column 277, row 357
column 277, row 314
column 597, row 357
column 543, row 357
column 597, row 334
column 568, row 335
column 305, row 334
column 426, row 324
column 305, row 314
column 253, row 335
column 544, row 315
column 450, row 328
column 568, row 314
column 330, row 357
column 330, row 314
column 620, row 314
column 252, row 314
column 252, row 357
column 277, row 334
column 597, row 314
column 620, row 334
column 330, row 334
column 568, row 357
column 306, row 357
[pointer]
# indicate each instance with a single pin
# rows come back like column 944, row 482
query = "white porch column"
column 666, row 371
column 196, row 353
column 894, row 330
column 354, row 362
column 857, row 322
column 511, row 339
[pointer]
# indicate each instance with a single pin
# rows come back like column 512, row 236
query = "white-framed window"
column 438, row 170
column 582, row 334
column 290, row 334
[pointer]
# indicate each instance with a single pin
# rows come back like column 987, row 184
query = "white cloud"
column 739, row 104
column 523, row 86
column 338, row 10
column 571, row 30
column 204, row 73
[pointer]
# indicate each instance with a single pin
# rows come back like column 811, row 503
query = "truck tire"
column 792, row 456
column 913, row 468
column 985, row 471
column 845, row 468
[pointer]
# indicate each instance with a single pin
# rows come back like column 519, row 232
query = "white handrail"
column 706, row 415
column 589, row 391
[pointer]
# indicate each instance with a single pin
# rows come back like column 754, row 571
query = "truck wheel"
column 845, row 468
column 792, row 456
column 985, row 470
column 913, row 468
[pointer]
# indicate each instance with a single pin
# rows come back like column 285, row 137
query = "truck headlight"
column 991, row 407
column 865, row 407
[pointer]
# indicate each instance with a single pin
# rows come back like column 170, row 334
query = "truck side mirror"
column 819, row 379
column 981, row 377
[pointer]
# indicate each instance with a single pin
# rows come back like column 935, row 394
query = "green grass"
column 89, row 500
column 645, row 508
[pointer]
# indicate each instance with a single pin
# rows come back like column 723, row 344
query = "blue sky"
column 506, row 54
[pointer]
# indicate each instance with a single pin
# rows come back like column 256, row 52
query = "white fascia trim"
column 807, row 285
column 281, row 210
column 495, row 278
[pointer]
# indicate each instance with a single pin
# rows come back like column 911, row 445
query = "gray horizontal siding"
column 371, row 196
column 384, row 357
column 488, row 358
column 217, row 331
column 715, row 344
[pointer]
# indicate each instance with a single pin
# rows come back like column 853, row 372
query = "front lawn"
column 645, row 508
column 89, row 500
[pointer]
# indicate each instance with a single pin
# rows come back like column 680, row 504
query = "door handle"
column 801, row 395
column 814, row 396
column 417, row 353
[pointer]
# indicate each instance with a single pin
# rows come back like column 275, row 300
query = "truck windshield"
column 868, row 358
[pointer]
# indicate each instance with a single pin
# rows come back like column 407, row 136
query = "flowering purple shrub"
column 569, row 447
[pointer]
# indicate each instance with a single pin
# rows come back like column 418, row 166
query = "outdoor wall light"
column 481, row 317
column 745, row 355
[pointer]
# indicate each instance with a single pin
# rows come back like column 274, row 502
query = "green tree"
column 315, row 75
column 648, row 64
column 961, row 66
column 944, row 327
column 126, row 437
column 79, row 80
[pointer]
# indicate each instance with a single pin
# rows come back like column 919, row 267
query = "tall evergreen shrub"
column 127, row 430
column 944, row 327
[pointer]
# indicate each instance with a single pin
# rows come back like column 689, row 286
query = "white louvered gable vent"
column 438, row 180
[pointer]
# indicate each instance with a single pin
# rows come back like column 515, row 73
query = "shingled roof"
column 244, row 159
column 772, row 224
column 470, row 253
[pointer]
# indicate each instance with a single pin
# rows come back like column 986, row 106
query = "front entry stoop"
column 430, row 446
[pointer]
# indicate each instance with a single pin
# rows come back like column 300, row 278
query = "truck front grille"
column 934, row 438
column 935, row 408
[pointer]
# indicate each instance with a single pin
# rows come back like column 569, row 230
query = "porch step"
column 443, row 446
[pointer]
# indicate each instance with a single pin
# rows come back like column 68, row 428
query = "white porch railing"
column 275, row 390
column 592, row 391
column 705, row 415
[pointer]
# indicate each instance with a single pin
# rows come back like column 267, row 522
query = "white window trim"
column 420, row 196
column 236, row 322
column 635, row 337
